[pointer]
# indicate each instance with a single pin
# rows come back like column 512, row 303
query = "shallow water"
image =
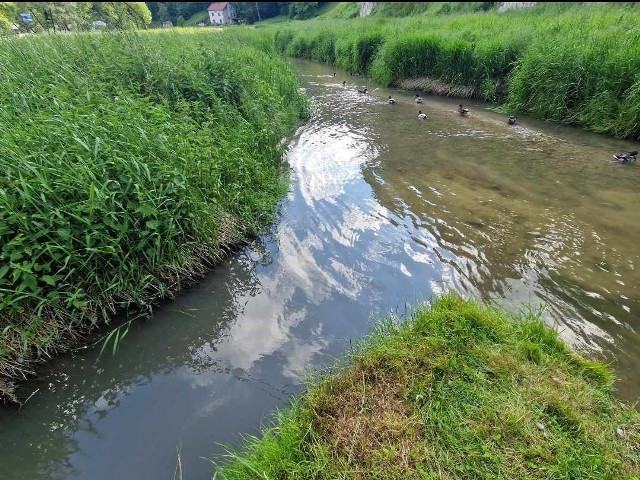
column 384, row 211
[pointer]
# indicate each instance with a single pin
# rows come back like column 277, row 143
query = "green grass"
column 129, row 161
column 407, row 9
column 272, row 21
column 327, row 8
column 196, row 18
column 460, row 391
column 569, row 62
column 341, row 11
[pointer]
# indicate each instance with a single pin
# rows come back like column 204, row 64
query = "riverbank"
column 459, row 391
column 571, row 63
column 131, row 162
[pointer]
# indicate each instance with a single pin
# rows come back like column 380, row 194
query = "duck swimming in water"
column 625, row 157
column 391, row 101
column 422, row 116
column 512, row 120
column 418, row 98
column 462, row 110
column 363, row 90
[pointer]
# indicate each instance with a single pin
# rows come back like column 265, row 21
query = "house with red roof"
column 221, row 13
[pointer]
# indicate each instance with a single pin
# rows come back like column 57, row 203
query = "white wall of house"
column 221, row 17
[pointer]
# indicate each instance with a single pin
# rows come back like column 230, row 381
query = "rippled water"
column 385, row 210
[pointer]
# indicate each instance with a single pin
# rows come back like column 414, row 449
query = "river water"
column 384, row 211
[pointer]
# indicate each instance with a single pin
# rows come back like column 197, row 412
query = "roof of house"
column 215, row 6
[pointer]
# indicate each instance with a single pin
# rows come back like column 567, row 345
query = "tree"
column 181, row 21
column 303, row 10
column 78, row 15
column 64, row 15
column 248, row 11
column 7, row 14
column 163, row 13
column 123, row 15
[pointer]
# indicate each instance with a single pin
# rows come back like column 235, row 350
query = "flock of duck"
column 625, row 157
column 462, row 110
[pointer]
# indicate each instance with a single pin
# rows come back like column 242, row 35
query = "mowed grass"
column 461, row 391
column 129, row 161
column 570, row 62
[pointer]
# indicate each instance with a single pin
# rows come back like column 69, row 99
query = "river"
column 384, row 211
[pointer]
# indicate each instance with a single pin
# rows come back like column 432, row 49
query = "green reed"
column 572, row 63
column 128, row 160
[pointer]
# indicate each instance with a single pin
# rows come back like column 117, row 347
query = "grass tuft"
column 461, row 391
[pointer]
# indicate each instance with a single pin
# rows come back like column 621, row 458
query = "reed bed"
column 569, row 62
column 129, row 160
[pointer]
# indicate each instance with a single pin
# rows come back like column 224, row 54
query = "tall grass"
column 128, row 161
column 571, row 62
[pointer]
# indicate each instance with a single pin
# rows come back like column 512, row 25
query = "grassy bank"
column 570, row 62
column 459, row 392
column 129, row 161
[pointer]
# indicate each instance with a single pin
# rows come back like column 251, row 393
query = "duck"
column 422, row 116
column 625, row 157
column 512, row 120
column 363, row 90
column 391, row 101
column 418, row 98
column 462, row 110
column 344, row 83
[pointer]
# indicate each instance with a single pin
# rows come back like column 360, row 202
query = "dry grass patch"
column 364, row 416
column 436, row 87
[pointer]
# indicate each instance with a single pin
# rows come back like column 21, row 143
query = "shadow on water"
column 385, row 210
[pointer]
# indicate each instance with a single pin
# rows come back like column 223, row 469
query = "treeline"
column 175, row 12
column 248, row 12
column 35, row 17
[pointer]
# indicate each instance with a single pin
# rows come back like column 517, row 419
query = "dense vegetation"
column 247, row 12
column 459, row 392
column 569, row 62
column 129, row 160
column 71, row 16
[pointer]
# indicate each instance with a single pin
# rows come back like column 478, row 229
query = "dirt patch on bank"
column 437, row 87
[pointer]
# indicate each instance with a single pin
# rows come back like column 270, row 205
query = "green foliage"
column 77, row 16
column 199, row 17
column 165, row 11
column 572, row 63
column 8, row 13
column 589, row 79
column 342, row 11
column 127, row 160
column 458, row 391
column 406, row 9
column 303, row 10
column 251, row 12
